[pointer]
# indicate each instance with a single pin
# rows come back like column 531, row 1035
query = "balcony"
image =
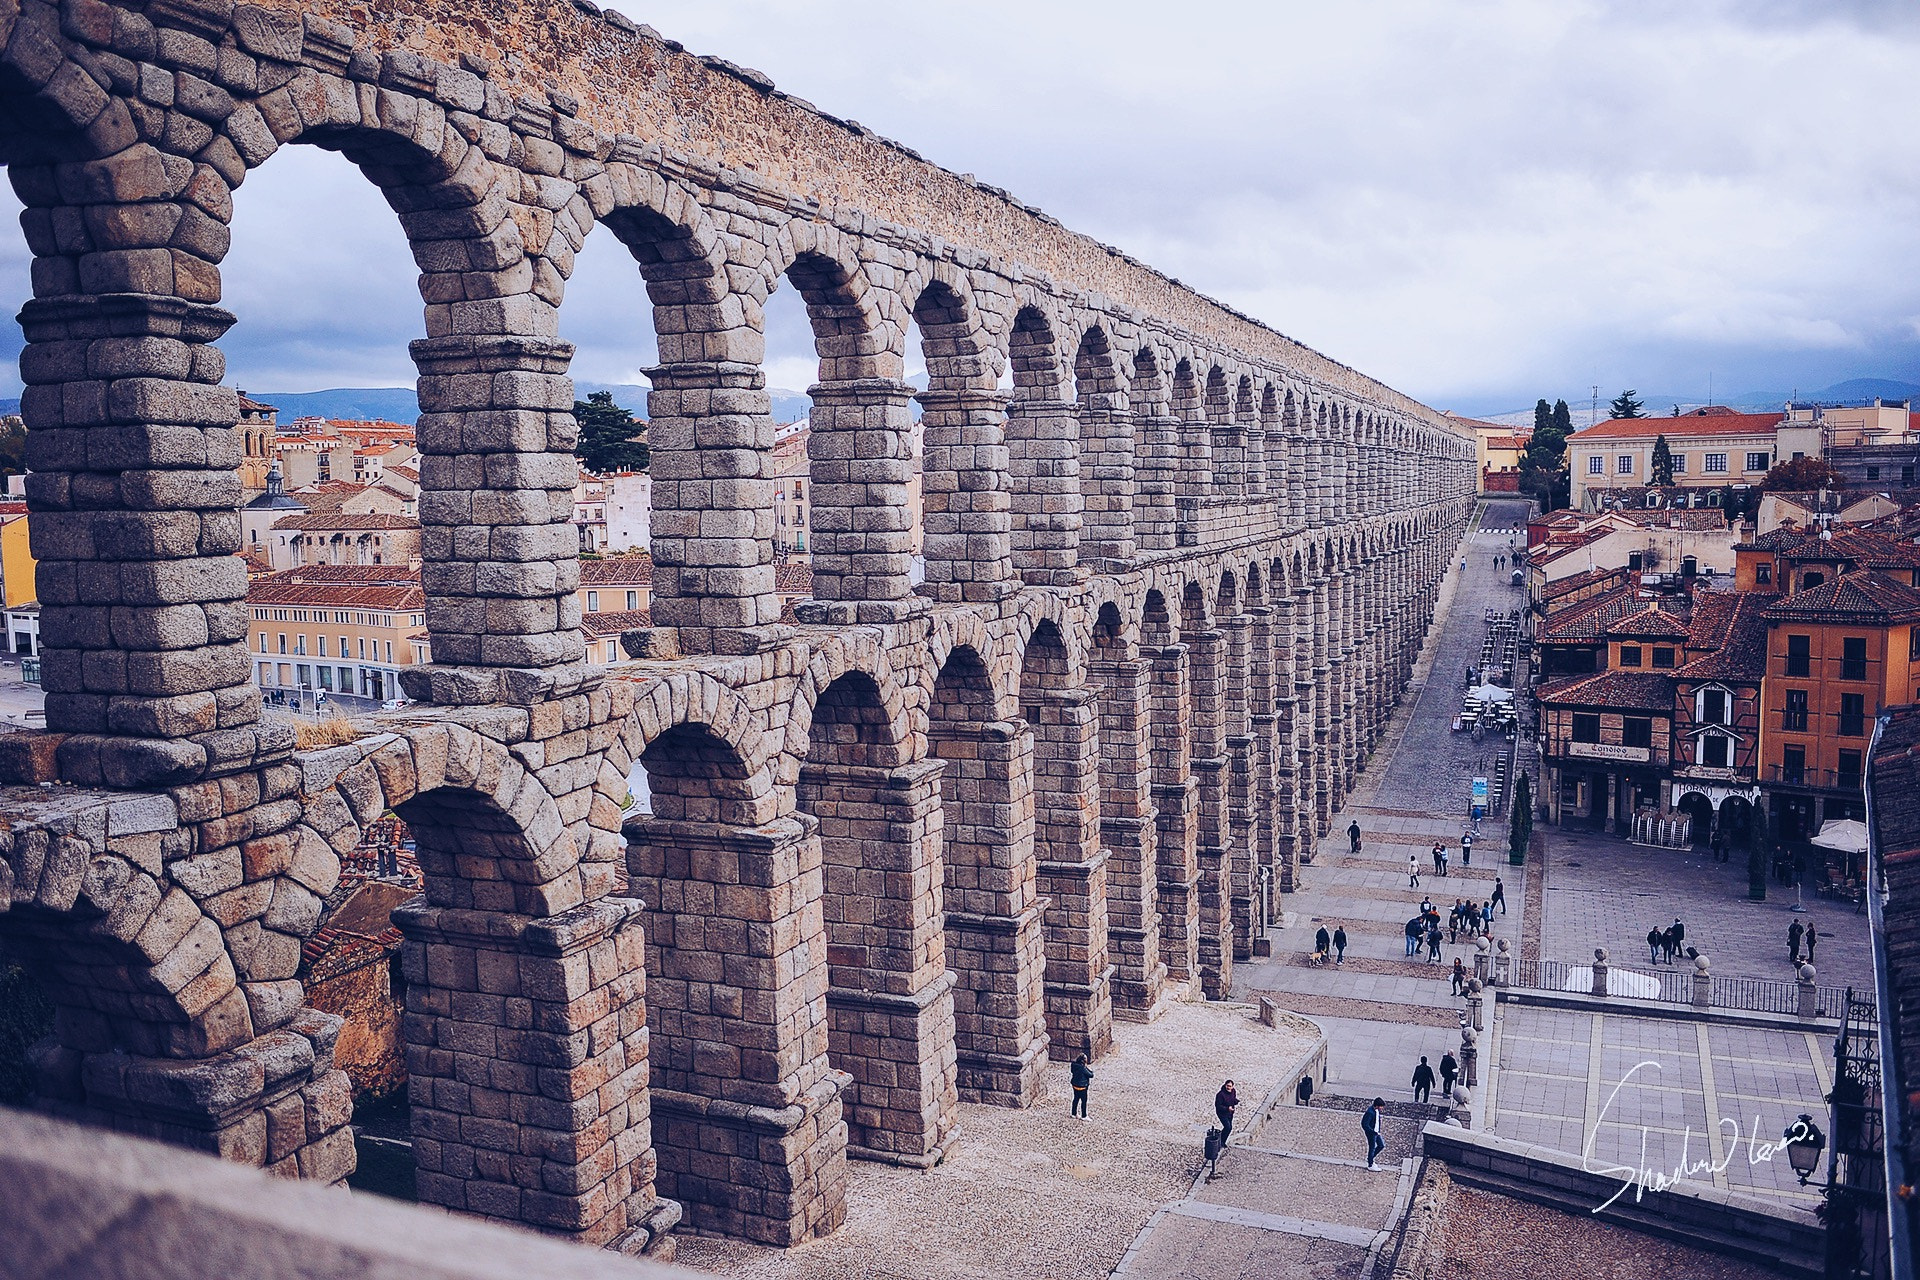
column 1815, row 779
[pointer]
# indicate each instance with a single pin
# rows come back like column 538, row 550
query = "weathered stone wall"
column 900, row 853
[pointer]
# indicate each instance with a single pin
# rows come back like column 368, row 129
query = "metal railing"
column 1675, row 986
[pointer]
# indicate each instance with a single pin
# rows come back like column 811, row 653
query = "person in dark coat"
column 1449, row 1072
column 1500, row 894
column 1082, row 1075
column 1223, row 1104
column 1794, row 931
column 1353, row 836
column 1466, row 849
column 1322, row 941
column 1303, row 1092
column 1812, row 937
column 1370, row 1125
column 1433, row 942
column 1678, row 933
column 1654, row 938
column 1422, row 1081
column 1340, row 944
column 1415, row 928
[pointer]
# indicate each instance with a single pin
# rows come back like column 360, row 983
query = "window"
column 283, row 642
column 300, row 644
column 1663, row 657
column 326, row 677
column 1637, row 731
column 389, row 651
column 1596, row 465
column 1849, row 770
column 1799, row 655
column 1794, row 717
column 1853, row 658
column 1808, row 581
column 1762, row 574
column 1625, row 464
column 799, row 490
column 1873, row 473
column 593, row 602
column 1586, row 728
column 1679, row 464
column 343, row 648
column 1906, row 475
column 1714, row 464
column 1629, row 655
column 1713, row 706
column 1713, row 751
column 1793, row 764
column 263, row 639
column 1853, row 715
column 1757, row 461
column 633, row 601
column 1913, row 642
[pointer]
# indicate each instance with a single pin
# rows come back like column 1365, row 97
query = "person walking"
column 1453, row 923
column 1422, row 1081
column 1413, row 871
column 1675, row 936
column 1812, row 937
column 1466, row 849
column 1370, row 1125
column 1654, row 938
column 1353, row 836
column 1082, row 1076
column 1449, row 1072
column 1433, row 942
column 1223, row 1104
column 1443, row 861
column 1415, row 928
column 1500, row 894
column 1486, row 917
column 1459, row 975
column 1794, row 931
column 1322, row 942
column 1439, row 852
column 1339, row 944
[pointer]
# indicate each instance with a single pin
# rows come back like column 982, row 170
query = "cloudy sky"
column 1478, row 201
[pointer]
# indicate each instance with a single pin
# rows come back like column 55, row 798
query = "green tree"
column 1562, row 418
column 1543, row 466
column 1542, row 416
column 611, row 439
column 1625, row 406
column 1662, row 460
column 13, row 446
column 1520, row 822
column 1802, row 475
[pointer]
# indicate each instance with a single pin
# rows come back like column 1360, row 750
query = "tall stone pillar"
column 747, row 1124
column 861, row 447
column 1210, row 769
column 1286, row 763
column 1156, row 468
column 1043, row 441
column 993, row 910
column 1107, row 480
column 711, row 536
column 1196, row 477
column 527, row 1065
column 1176, row 800
column 1326, row 777
column 1237, row 873
column 1299, row 479
column 500, row 557
column 1265, row 800
column 1074, row 870
column 890, row 991
column 134, row 523
column 966, row 507
column 1128, row 832
column 1229, row 460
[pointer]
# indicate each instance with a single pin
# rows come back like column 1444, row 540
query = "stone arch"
column 966, row 496
column 1107, row 448
column 849, row 651
column 1157, row 449
column 1253, row 439
column 1043, row 445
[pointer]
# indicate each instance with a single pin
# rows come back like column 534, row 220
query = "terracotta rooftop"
column 1851, row 597
column 634, row 570
column 1589, row 619
column 1686, row 427
column 1575, row 581
column 389, row 575
column 339, row 523
column 1730, row 632
column 1615, row 690
column 1652, row 622
column 1867, row 547
column 300, row 595
column 793, row 577
column 600, row 626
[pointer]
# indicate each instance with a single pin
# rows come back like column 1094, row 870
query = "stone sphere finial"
column 1473, row 986
column 1468, row 1035
column 1462, row 1096
column 1505, row 946
column 1481, row 944
column 1599, row 955
column 1806, row 973
column 1700, row 964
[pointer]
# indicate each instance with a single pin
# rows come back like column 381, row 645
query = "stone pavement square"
column 1605, row 892
column 1185, row 1248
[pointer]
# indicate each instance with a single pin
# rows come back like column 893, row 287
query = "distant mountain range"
column 1659, row 405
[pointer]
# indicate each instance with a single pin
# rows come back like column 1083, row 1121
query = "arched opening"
column 1195, row 481
column 1126, row 807
column 1106, row 448
column 1253, row 441
column 1175, row 789
column 1697, row 807
column 1157, row 457
column 745, row 1109
column 1043, row 445
column 1072, row 869
column 994, row 941
column 1229, row 446
column 1273, row 431
column 962, row 490
column 889, row 995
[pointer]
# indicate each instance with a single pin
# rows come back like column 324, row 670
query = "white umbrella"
column 1843, row 836
column 1491, row 693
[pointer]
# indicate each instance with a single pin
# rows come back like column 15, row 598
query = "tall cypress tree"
column 1562, row 418
column 1625, row 405
column 1662, row 460
column 1542, row 416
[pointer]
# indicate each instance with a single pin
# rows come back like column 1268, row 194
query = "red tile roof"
column 1614, row 690
column 1851, row 597
column 600, row 626
column 265, row 591
column 634, row 570
column 390, row 575
column 1587, row 620
column 1715, row 424
column 335, row 522
column 1652, row 621
column 793, row 577
column 1730, row 633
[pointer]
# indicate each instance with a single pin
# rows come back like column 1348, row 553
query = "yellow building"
column 345, row 630
column 16, row 556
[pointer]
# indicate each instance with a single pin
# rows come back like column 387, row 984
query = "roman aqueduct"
column 898, row 854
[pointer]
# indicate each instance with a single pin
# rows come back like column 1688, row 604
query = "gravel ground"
column 1490, row 1237
column 1038, row 1193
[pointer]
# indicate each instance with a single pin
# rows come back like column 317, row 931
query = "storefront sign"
column 1607, row 751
